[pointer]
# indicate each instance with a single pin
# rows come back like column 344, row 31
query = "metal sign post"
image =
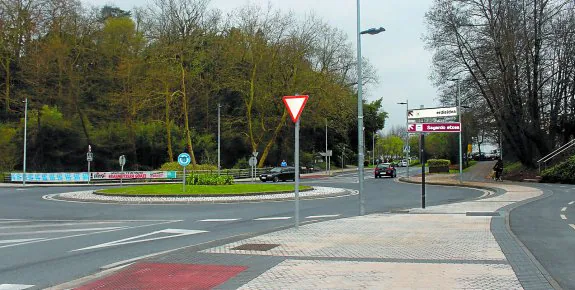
column 295, row 105
column 122, row 161
column 422, row 148
column 184, row 160
column 89, row 158
column 253, row 162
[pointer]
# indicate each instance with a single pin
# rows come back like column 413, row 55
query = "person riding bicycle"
column 498, row 168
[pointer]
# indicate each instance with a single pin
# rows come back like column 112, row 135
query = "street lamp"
column 25, row 134
column 406, row 103
column 360, row 143
column 461, row 129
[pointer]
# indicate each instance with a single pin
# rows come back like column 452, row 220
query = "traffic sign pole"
column 297, row 173
column 422, row 148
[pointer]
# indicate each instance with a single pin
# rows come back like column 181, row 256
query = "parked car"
column 403, row 163
column 278, row 173
column 385, row 169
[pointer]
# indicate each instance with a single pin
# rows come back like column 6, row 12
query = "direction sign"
column 122, row 160
column 253, row 161
column 295, row 105
column 89, row 156
column 434, row 128
column 184, row 159
column 432, row 113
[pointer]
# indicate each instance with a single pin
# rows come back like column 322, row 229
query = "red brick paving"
column 167, row 276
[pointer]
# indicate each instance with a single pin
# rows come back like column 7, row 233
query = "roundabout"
column 94, row 196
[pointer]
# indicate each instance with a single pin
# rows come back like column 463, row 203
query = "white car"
column 402, row 163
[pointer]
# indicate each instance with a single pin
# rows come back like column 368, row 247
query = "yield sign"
column 295, row 105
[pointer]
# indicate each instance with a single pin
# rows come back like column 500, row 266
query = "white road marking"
column 571, row 202
column 573, row 226
column 16, row 241
column 14, row 286
column 62, row 231
column 88, row 234
column 219, row 220
column 137, row 239
column 563, row 217
column 564, row 209
column 273, row 218
column 322, row 216
column 61, row 224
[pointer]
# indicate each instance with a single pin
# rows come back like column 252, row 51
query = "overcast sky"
column 403, row 65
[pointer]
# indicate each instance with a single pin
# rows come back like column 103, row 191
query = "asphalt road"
column 44, row 243
column 547, row 228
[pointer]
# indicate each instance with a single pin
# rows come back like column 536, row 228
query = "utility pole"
column 326, row 157
column 219, row 138
column 25, row 135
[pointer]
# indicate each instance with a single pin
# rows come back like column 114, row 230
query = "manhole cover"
column 256, row 247
column 470, row 213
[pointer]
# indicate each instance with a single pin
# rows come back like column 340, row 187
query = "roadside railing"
column 560, row 154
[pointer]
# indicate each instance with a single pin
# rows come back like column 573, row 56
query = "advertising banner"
column 133, row 175
column 51, row 177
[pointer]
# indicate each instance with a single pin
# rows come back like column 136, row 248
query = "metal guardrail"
column 543, row 161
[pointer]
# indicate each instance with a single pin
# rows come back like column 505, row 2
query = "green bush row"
column 438, row 162
column 209, row 179
column 174, row 166
column 563, row 172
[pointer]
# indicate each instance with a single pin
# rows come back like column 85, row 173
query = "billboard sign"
column 51, row 177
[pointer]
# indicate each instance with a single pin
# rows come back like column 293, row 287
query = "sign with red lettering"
column 434, row 128
column 134, row 175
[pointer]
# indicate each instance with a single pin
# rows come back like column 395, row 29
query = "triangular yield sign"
column 295, row 105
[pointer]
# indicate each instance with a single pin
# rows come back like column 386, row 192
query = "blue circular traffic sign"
column 184, row 159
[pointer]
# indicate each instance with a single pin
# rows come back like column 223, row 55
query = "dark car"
column 279, row 173
column 385, row 169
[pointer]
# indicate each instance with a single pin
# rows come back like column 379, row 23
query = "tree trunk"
column 169, row 124
column 273, row 139
column 7, row 86
column 186, row 118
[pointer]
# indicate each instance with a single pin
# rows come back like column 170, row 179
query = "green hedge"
column 174, row 166
column 563, row 172
column 209, row 179
column 438, row 162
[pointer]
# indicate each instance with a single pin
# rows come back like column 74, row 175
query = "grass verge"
column 200, row 190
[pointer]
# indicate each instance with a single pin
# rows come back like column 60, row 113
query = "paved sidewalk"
column 455, row 246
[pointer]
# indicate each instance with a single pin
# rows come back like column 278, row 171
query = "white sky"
column 403, row 65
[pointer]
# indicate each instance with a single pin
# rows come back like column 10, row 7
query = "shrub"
column 174, row 166
column 563, row 172
column 209, row 179
column 438, row 163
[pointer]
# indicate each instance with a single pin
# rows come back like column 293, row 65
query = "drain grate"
column 256, row 247
column 479, row 213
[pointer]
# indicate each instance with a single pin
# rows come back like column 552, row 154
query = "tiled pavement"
column 457, row 246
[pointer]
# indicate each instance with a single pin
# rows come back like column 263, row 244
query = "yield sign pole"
column 295, row 105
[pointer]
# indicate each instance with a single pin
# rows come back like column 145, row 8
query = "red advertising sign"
column 434, row 128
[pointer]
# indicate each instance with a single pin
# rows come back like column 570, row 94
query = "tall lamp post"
column 406, row 103
column 25, row 135
column 360, row 143
column 461, row 129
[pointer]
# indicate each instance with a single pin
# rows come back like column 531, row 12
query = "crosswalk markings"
column 173, row 233
column 573, row 226
column 563, row 217
column 564, row 209
column 14, row 286
column 571, row 202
